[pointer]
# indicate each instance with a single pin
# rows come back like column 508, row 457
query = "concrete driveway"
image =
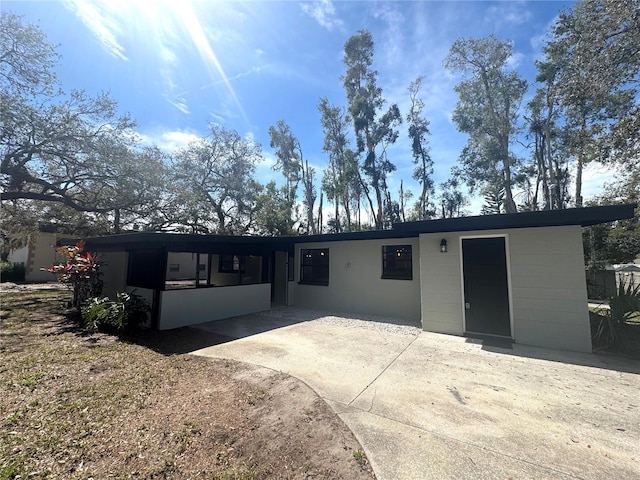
column 425, row 405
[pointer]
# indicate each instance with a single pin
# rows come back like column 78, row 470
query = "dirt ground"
column 84, row 406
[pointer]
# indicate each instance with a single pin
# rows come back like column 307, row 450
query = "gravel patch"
column 372, row 323
column 368, row 322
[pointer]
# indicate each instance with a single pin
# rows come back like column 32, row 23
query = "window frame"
column 307, row 264
column 392, row 268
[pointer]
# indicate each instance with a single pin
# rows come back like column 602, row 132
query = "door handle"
column 467, row 305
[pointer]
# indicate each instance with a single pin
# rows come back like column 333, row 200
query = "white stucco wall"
column 42, row 254
column 548, row 287
column 355, row 286
column 192, row 306
column 19, row 255
column 441, row 300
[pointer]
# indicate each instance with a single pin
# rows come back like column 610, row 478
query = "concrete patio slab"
column 425, row 405
column 308, row 351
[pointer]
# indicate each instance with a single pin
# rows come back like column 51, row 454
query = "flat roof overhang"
column 254, row 245
column 188, row 242
column 583, row 217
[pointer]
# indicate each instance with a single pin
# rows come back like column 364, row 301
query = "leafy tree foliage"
column 493, row 200
column 452, row 200
column 340, row 181
column 273, row 215
column 70, row 149
column 214, row 184
column 374, row 129
column 595, row 49
column 488, row 102
column 27, row 59
column 418, row 133
column 549, row 160
column 293, row 166
column 618, row 242
column 286, row 147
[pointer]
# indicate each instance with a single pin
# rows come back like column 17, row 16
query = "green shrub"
column 10, row 272
column 122, row 315
column 614, row 325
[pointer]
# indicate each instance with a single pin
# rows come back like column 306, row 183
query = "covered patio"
column 189, row 279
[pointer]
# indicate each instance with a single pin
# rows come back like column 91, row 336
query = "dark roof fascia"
column 547, row 218
column 340, row 237
column 189, row 242
column 186, row 242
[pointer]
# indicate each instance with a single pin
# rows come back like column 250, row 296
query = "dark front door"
column 486, row 294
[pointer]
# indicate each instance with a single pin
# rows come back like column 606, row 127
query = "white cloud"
column 169, row 140
column 251, row 71
column 394, row 33
column 538, row 42
column 515, row 60
column 323, row 12
column 97, row 19
column 594, row 177
column 180, row 104
column 509, row 13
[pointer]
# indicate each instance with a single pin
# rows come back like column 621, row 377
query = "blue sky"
column 178, row 65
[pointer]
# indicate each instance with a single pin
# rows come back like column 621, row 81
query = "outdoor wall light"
column 443, row 246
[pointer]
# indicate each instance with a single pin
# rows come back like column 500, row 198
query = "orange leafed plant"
column 80, row 271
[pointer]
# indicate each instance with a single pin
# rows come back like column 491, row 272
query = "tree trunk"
column 579, row 181
column 116, row 221
column 308, row 194
column 366, row 192
column 347, row 208
column 580, row 165
column 554, row 190
column 402, row 216
column 509, row 203
column 380, row 214
column 320, row 214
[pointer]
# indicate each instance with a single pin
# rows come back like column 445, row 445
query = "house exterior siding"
column 355, row 283
column 548, row 290
column 38, row 253
column 441, row 299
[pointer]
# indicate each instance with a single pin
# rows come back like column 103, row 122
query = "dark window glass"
column 314, row 266
column 146, row 269
column 229, row 264
column 396, row 262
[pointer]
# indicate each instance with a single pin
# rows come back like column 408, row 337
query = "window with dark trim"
column 229, row 264
column 396, row 262
column 314, row 266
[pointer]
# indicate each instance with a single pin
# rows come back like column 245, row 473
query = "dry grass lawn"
column 80, row 406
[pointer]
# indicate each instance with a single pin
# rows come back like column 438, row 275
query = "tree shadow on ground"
column 177, row 341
